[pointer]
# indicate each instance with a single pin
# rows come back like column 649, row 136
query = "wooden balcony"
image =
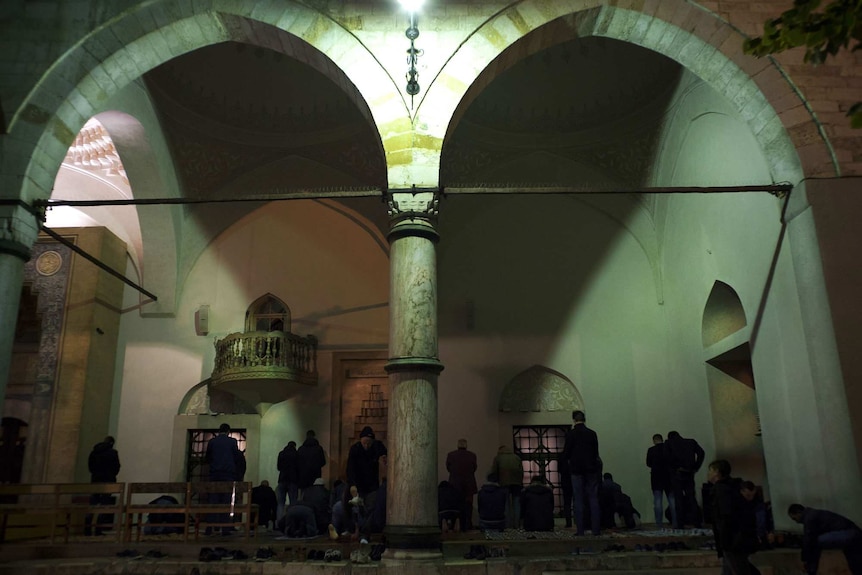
column 264, row 367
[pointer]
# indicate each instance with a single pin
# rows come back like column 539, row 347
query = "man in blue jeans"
column 582, row 451
column 823, row 529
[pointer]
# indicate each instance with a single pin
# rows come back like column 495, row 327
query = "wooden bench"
column 62, row 505
column 207, row 513
column 137, row 512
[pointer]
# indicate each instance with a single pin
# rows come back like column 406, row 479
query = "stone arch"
column 540, row 389
column 699, row 40
column 723, row 314
column 47, row 121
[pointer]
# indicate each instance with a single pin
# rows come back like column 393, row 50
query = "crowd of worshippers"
column 302, row 506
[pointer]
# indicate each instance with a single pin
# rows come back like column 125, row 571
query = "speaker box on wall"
column 202, row 320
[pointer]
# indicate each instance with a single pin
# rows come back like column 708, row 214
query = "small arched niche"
column 267, row 313
column 723, row 314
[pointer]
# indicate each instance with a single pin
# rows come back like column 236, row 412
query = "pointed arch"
column 267, row 313
column 723, row 314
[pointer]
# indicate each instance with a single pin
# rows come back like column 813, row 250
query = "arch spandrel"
column 712, row 51
column 540, row 389
column 80, row 84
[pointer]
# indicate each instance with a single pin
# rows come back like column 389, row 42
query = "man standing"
column 363, row 462
column 732, row 524
column 685, row 457
column 310, row 459
column 657, row 461
column 104, row 465
column 461, row 465
column 226, row 463
column 582, row 450
column 288, row 475
column 823, row 529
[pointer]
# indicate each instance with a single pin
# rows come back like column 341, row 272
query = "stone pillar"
column 18, row 231
column 413, row 367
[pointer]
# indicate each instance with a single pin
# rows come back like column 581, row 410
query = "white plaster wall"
column 330, row 271
column 556, row 282
column 734, row 238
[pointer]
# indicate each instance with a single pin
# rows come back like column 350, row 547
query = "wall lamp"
column 413, row 53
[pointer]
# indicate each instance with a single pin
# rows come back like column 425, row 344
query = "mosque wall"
column 332, row 275
column 555, row 282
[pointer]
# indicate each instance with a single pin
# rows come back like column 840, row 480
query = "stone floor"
column 510, row 553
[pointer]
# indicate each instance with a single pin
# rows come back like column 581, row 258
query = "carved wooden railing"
column 266, row 355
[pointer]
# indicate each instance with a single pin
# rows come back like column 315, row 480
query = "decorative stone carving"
column 540, row 388
column 49, row 263
column 406, row 204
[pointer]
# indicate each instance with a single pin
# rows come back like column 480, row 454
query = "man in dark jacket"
column 449, row 506
column 823, row 529
column 538, row 505
column 582, row 451
column 492, row 505
column 104, row 465
column 733, row 523
column 317, row 497
column 226, row 463
column 310, row 460
column 461, row 465
column 685, row 457
column 264, row 497
column 288, row 476
column 659, row 478
column 363, row 462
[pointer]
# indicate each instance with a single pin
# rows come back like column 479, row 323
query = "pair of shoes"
column 377, row 552
column 155, row 554
column 206, row 555
column 316, row 554
column 130, row 553
column 359, row 556
column 264, row 554
column 332, row 555
column 477, row 552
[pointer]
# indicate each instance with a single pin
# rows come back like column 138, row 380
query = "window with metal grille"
column 539, row 447
column 197, row 468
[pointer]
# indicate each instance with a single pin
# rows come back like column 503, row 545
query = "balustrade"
column 282, row 355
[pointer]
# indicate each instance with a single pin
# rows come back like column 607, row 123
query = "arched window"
column 267, row 313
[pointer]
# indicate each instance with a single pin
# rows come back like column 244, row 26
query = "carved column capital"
column 19, row 229
column 413, row 213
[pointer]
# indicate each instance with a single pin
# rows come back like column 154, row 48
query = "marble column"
column 413, row 367
column 18, row 230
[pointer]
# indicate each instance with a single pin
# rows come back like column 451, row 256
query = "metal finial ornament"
column 413, row 54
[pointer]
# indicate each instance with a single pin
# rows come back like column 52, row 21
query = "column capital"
column 19, row 229
column 413, row 213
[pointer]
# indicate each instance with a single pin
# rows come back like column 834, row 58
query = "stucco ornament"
column 49, row 263
column 540, row 388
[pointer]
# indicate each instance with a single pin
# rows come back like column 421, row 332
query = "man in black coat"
column 685, row 457
column 492, row 504
column 582, row 451
column 104, row 465
column 317, row 497
column 659, row 478
column 226, row 463
column 264, row 497
column 310, row 459
column 461, row 465
column 363, row 462
column 733, row 523
column 822, row 529
column 537, row 504
column 288, row 476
